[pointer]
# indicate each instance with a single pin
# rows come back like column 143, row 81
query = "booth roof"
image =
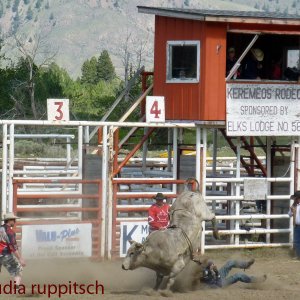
column 223, row 15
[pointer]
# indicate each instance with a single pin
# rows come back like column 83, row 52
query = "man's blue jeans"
column 224, row 271
column 297, row 240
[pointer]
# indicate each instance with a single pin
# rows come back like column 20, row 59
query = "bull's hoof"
column 166, row 293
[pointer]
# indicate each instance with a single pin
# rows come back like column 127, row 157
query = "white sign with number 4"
column 58, row 110
column 155, row 109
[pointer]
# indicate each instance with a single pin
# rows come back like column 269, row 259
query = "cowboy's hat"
column 296, row 195
column 10, row 216
column 258, row 54
column 159, row 196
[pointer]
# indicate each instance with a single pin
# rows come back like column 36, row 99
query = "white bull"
column 168, row 251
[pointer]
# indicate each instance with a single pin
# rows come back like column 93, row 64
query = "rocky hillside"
column 79, row 29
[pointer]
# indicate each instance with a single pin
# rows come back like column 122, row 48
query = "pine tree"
column 89, row 71
column 105, row 68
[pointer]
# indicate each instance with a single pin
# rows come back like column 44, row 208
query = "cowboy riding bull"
column 168, row 251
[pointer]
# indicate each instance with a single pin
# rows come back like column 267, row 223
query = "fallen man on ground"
column 218, row 278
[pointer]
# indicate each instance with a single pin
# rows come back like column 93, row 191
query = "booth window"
column 183, row 61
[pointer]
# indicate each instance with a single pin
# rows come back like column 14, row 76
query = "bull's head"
column 133, row 254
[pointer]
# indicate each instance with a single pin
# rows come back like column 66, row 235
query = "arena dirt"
column 283, row 280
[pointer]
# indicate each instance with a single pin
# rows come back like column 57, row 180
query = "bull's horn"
column 139, row 245
column 131, row 242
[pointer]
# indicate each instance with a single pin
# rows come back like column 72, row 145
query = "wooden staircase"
column 252, row 164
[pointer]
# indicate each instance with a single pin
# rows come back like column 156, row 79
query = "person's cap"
column 159, row 196
column 10, row 216
column 231, row 49
column 258, row 54
column 296, row 195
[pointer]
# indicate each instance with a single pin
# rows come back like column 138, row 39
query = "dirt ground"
column 283, row 280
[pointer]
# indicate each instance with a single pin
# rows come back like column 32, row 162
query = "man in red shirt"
column 10, row 257
column 158, row 217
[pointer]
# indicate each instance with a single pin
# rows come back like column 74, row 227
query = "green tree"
column 105, row 68
column 89, row 71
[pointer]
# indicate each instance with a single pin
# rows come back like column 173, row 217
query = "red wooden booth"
column 191, row 49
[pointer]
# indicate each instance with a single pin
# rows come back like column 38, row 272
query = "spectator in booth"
column 294, row 212
column 276, row 70
column 10, row 257
column 230, row 62
column 252, row 67
column 158, row 215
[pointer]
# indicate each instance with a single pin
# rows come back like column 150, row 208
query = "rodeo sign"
column 263, row 109
column 59, row 240
column 137, row 231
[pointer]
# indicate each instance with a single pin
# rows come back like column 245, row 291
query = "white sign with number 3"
column 58, row 110
column 155, row 109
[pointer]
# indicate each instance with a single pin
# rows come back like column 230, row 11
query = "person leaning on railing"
column 158, row 214
column 295, row 213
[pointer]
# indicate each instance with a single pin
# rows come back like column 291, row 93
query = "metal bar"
column 252, row 217
column 136, row 104
column 139, row 195
column 105, row 158
column 198, row 154
column 44, row 136
column 268, row 166
column 57, row 209
column 145, row 151
column 238, row 62
column 238, row 189
column 15, row 196
column 110, row 193
column 130, row 133
column 175, row 157
column 133, row 151
column 68, row 150
column 4, row 169
column 118, row 100
column 169, row 168
column 57, row 196
column 241, row 180
column 204, row 134
column 146, row 180
column 292, row 170
column 251, row 231
column 43, row 180
column 100, row 220
column 11, row 165
column 94, row 123
column 256, row 245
